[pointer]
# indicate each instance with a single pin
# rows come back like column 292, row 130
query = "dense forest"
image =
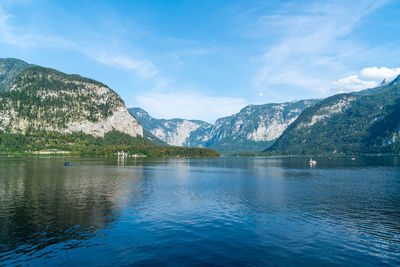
column 49, row 97
column 81, row 144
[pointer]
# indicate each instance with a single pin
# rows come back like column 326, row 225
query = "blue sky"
column 208, row 59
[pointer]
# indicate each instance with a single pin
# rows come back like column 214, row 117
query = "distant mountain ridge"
column 250, row 130
column 255, row 126
column 177, row 132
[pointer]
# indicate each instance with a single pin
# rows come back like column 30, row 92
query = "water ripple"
column 228, row 211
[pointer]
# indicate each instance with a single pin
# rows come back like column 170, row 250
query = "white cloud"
column 375, row 73
column 352, row 83
column 189, row 105
column 367, row 78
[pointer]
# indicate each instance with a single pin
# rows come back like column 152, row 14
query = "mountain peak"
column 11, row 60
column 384, row 82
column 396, row 80
column 9, row 69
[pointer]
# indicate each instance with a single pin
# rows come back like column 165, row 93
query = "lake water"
column 224, row 212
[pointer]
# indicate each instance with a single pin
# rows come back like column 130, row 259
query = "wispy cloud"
column 311, row 43
column 144, row 68
column 192, row 105
column 24, row 37
column 12, row 35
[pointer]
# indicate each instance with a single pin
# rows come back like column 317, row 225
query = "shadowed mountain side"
column 346, row 124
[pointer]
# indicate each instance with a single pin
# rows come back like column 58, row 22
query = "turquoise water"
column 226, row 211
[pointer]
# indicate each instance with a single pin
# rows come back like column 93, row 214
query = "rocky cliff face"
column 258, row 123
column 361, row 122
column 176, row 132
column 46, row 99
column 252, row 129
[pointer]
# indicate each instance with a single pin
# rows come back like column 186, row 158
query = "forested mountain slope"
column 9, row 69
column 45, row 99
column 352, row 123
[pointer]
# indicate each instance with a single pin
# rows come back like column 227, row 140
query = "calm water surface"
column 226, row 211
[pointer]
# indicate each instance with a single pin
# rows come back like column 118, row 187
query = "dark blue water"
column 227, row 211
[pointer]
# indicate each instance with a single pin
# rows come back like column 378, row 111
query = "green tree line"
column 82, row 144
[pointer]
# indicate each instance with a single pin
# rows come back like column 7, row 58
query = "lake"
column 227, row 211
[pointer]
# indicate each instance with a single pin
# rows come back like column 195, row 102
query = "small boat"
column 313, row 162
column 67, row 163
column 353, row 158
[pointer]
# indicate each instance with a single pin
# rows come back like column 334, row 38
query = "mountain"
column 353, row 123
column 46, row 111
column 374, row 90
column 176, row 132
column 9, row 69
column 154, row 139
column 255, row 126
column 42, row 99
column 250, row 130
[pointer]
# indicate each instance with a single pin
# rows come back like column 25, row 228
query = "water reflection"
column 270, row 163
column 44, row 203
column 235, row 210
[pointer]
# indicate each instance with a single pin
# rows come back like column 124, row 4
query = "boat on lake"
column 313, row 162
